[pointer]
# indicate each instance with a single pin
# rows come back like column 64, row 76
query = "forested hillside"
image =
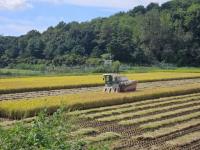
column 169, row 33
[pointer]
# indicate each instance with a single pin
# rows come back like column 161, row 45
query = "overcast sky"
column 20, row 16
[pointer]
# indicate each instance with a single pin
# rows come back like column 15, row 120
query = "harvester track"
column 29, row 95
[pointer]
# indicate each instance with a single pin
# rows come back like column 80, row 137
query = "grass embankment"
column 13, row 85
column 19, row 72
column 29, row 108
column 165, row 69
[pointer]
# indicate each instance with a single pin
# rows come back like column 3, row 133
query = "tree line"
column 169, row 33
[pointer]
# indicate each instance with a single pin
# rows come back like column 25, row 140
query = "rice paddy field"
column 13, row 85
column 163, row 114
column 162, row 124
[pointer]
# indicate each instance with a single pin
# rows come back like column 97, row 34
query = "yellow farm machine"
column 117, row 83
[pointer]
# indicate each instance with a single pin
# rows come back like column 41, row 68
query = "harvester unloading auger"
column 117, row 83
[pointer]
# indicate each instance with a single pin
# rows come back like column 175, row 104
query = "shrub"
column 45, row 132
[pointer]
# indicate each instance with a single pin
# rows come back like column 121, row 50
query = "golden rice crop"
column 28, row 108
column 10, row 85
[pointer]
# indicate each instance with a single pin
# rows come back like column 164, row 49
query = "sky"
column 17, row 17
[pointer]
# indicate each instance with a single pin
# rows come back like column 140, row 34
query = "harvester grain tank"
column 117, row 83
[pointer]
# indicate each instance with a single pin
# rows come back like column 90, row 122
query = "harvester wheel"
column 116, row 90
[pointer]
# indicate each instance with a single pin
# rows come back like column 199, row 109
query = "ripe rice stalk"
column 23, row 108
column 140, row 103
column 61, row 82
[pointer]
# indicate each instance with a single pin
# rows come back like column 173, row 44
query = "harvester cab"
column 117, row 83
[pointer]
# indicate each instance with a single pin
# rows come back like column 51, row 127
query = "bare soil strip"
column 29, row 95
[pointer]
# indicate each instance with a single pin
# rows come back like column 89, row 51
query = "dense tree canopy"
column 169, row 33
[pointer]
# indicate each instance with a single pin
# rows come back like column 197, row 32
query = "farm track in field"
column 29, row 95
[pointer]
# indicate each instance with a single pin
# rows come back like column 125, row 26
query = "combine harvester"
column 116, row 83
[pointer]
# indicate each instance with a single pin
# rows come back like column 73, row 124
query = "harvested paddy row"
column 29, row 95
column 43, row 93
column 140, row 142
column 129, row 131
column 169, row 130
column 133, row 108
column 145, row 112
column 186, row 139
column 140, row 103
column 177, row 112
column 145, row 142
column 149, row 124
column 195, row 145
column 171, row 121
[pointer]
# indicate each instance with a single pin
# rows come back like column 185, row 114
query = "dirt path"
column 28, row 95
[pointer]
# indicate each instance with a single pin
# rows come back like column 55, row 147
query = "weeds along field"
column 30, row 107
column 12, row 85
column 162, row 124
